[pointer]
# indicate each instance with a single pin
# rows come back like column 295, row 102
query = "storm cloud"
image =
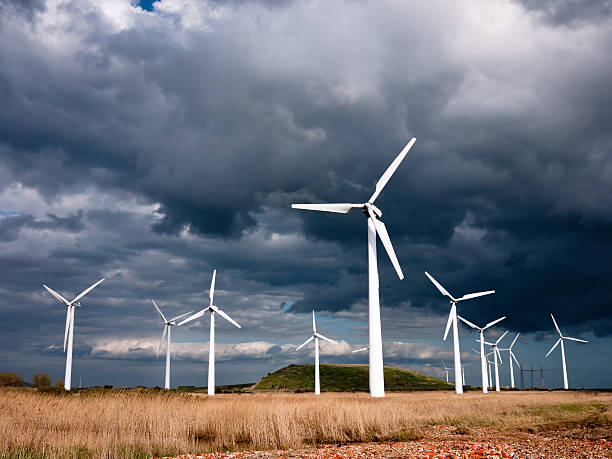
column 153, row 143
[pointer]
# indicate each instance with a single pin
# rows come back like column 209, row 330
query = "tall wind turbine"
column 452, row 320
column 483, row 363
column 167, row 325
column 510, row 357
column 375, row 227
column 68, row 332
column 316, row 337
column 211, row 350
column 560, row 340
column 496, row 354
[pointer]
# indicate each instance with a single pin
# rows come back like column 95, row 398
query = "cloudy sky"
column 149, row 143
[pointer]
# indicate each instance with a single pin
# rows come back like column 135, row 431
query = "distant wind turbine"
column 167, row 325
column 446, row 369
column 452, row 320
column 375, row 227
column 560, row 340
column 496, row 354
column 211, row 350
column 68, row 332
column 510, row 357
column 483, row 363
column 316, row 337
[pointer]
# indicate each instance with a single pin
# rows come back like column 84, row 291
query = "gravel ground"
column 445, row 442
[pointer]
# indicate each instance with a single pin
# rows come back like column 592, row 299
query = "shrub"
column 11, row 379
column 40, row 380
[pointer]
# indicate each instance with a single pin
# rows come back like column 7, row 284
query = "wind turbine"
column 496, row 354
column 510, row 357
column 316, row 337
column 167, row 325
column 446, row 369
column 560, row 340
column 69, row 331
column 482, row 351
column 211, row 350
column 452, row 320
column 375, row 227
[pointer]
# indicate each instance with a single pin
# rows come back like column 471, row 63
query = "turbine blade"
column 159, row 310
column 390, row 170
column 514, row 357
column 340, row 208
column 68, row 319
column 438, row 286
column 501, row 337
column 448, row 325
column 467, row 322
column 514, row 340
column 179, row 316
column 475, row 295
column 575, row 339
column 486, row 342
column 305, row 343
column 384, row 238
column 361, row 350
column 197, row 315
column 326, row 339
column 490, row 324
column 228, row 318
column 556, row 326
column 314, row 325
column 211, row 293
column 161, row 341
column 57, row 295
column 499, row 356
column 86, row 291
column 552, row 348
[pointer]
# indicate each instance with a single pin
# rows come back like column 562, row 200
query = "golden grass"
column 144, row 423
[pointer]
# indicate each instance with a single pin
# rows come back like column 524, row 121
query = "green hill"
column 346, row 378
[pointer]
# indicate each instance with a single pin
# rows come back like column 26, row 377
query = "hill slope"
column 345, row 378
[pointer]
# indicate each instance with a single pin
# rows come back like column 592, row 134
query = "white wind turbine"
column 560, row 340
column 211, row 350
column 496, row 354
column 167, row 325
column 68, row 332
column 452, row 320
column 316, row 337
column 510, row 357
column 446, row 369
column 375, row 226
column 483, row 363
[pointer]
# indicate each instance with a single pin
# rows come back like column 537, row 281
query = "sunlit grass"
column 154, row 423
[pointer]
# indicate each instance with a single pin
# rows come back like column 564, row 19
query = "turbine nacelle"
column 368, row 206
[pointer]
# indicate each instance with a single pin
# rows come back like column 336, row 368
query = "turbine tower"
column 496, row 354
column 69, row 330
column 483, row 363
column 316, row 337
column 167, row 325
column 375, row 227
column 211, row 350
column 452, row 320
column 510, row 357
column 560, row 340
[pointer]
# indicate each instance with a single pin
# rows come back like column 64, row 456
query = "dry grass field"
column 144, row 423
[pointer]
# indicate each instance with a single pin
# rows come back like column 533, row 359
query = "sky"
column 150, row 143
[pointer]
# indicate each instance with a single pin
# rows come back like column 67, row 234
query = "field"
column 145, row 423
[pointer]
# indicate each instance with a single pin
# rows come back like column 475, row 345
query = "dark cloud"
column 153, row 148
column 564, row 12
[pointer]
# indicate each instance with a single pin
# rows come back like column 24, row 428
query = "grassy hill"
column 345, row 378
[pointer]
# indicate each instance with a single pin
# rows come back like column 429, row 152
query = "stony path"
column 442, row 442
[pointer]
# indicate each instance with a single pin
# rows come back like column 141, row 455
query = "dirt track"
column 449, row 442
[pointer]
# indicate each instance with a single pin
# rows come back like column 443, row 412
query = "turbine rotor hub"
column 369, row 206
